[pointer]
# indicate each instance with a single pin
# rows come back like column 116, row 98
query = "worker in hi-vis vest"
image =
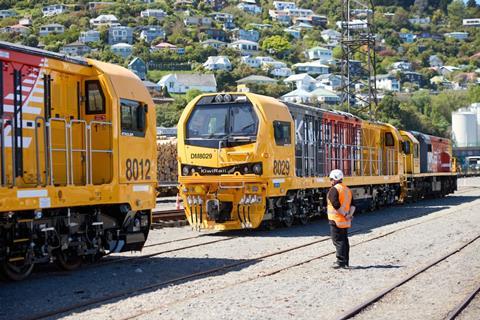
column 340, row 213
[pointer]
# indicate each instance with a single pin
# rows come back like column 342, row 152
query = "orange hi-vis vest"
column 339, row 216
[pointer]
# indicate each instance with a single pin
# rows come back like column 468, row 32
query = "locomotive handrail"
column 72, row 150
column 37, row 121
column 67, row 164
column 2, row 153
column 91, row 150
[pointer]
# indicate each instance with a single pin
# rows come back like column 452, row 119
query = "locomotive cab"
column 225, row 157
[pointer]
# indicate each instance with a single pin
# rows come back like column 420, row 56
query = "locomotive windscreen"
column 230, row 124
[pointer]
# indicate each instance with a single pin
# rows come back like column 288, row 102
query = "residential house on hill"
column 313, row 67
column 319, row 53
column 457, row 35
column 54, row 9
column 16, row 29
column 216, row 34
column 250, row 35
column 158, row 14
column 139, row 67
column 217, row 44
column 218, row 63
column 413, row 77
column 104, row 20
column 253, row 62
column 401, row 66
column 168, row 46
column 407, row 37
column 330, row 81
column 249, row 7
column 283, row 5
column 281, row 72
column 257, row 79
column 76, row 48
column 471, row 22
column 446, row 70
column 7, row 13
column 151, row 33
column 53, row 28
column 226, row 19
column 197, row 21
column 182, row 82
column 420, row 20
column 120, row 34
column 331, row 35
column 245, row 47
column 293, row 32
column 387, row 82
column 301, row 81
column 317, row 96
column 26, row 22
column 122, row 49
column 280, row 16
column 243, row 84
column 299, row 12
column 89, row 36
column 435, row 62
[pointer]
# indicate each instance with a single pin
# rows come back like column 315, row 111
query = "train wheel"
column 288, row 220
column 303, row 219
column 68, row 260
column 16, row 271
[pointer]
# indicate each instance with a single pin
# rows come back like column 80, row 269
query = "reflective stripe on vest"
column 339, row 216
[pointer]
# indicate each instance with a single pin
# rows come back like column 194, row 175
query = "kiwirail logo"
column 201, row 156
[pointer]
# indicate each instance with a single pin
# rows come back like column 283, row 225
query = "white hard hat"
column 336, row 175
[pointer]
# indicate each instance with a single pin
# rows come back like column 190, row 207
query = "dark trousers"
column 340, row 241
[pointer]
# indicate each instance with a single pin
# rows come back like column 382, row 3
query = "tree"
column 277, row 45
column 456, row 12
column 471, row 4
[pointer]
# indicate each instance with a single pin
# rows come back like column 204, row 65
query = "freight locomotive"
column 77, row 159
column 247, row 159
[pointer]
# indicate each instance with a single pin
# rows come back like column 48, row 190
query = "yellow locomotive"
column 247, row 159
column 77, row 166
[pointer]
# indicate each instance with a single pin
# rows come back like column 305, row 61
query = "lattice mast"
column 358, row 55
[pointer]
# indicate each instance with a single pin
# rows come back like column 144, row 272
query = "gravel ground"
column 432, row 228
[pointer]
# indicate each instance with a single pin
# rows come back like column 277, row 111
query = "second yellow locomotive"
column 247, row 159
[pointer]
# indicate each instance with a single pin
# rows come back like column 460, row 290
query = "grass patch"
column 155, row 75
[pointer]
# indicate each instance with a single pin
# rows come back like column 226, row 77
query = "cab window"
column 132, row 118
column 389, row 141
column 282, row 132
column 95, row 103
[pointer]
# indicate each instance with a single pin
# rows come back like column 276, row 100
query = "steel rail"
column 356, row 310
column 458, row 310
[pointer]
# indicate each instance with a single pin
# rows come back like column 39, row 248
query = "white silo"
column 465, row 129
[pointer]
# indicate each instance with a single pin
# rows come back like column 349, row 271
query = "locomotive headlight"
column 257, row 168
column 219, row 98
column 227, row 98
column 185, row 170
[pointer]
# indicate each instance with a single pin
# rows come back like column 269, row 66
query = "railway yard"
column 415, row 261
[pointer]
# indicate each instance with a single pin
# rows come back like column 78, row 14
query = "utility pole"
column 358, row 55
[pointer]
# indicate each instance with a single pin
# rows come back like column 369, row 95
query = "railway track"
column 458, row 310
column 161, row 218
column 215, row 270
column 364, row 305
